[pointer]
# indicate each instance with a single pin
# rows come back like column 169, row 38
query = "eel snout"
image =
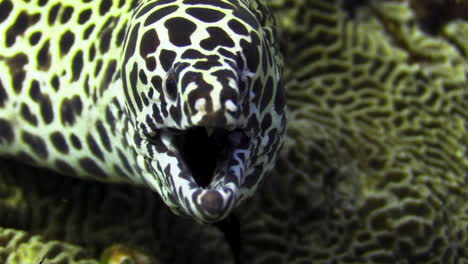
column 213, row 161
column 208, row 151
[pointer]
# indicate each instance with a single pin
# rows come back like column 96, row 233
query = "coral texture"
column 374, row 170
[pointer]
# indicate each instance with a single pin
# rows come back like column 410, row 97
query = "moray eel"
column 182, row 96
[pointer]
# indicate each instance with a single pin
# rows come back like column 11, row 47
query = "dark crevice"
column 433, row 15
column 230, row 227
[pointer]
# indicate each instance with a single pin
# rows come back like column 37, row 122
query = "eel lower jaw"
column 213, row 160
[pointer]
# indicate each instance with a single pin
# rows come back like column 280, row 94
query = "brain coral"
column 374, row 170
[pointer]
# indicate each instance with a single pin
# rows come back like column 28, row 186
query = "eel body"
column 182, row 96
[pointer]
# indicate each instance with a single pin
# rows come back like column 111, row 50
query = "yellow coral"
column 120, row 254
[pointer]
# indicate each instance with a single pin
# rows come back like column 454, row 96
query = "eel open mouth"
column 208, row 151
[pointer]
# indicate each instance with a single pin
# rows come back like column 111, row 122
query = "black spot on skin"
column 55, row 83
column 151, row 126
column 207, row 64
column 157, row 114
column 205, row 14
column 35, row 91
column 66, row 42
column 36, row 144
column 253, row 123
column 215, row 3
column 133, row 84
column 144, row 99
column 47, row 111
column 16, row 65
column 5, row 9
column 251, row 54
column 77, row 65
column 105, row 6
column 98, row 67
column 218, row 37
column 171, row 85
column 86, row 85
column 94, row 147
column 105, row 41
column 257, row 91
column 43, row 2
column 280, row 98
column 266, row 122
column 124, row 161
column 22, row 22
column 244, row 15
column 59, row 142
column 120, row 37
column 75, row 141
column 103, row 135
column 149, row 43
column 27, row 115
column 120, row 172
column 35, row 38
column 126, row 90
column 237, row 27
column 142, row 76
column 66, row 14
column 266, row 54
column 137, row 140
column 109, row 73
column 110, row 119
column 226, row 53
column 77, row 104
column 159, row 145
column 267, row 96
column 43, row 57
column 193, row 54
column 53, row 14
column 130, row 50
column 156, row 82
column 84, row 16
column 150, row 63
column 70, row 109
column 6, row 132
column 64, row 167
column 240, row 63
column 151, row 6
column 3, row 95
column 176, row 114
column 88, row 31
column 180, row 30
column 151, row 93
column 166, row 58
column 160, row 13
column 91, row 167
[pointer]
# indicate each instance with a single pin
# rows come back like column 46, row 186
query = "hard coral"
column 375, row 168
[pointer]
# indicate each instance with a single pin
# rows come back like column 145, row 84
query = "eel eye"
column 171, row 86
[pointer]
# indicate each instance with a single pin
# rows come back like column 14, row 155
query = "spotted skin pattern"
column 182, row 96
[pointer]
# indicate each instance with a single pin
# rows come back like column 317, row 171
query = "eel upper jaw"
column 214, row 161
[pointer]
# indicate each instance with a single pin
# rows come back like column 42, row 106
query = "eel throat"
column 209, row 151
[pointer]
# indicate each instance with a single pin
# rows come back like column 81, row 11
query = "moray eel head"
column 207, row 106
